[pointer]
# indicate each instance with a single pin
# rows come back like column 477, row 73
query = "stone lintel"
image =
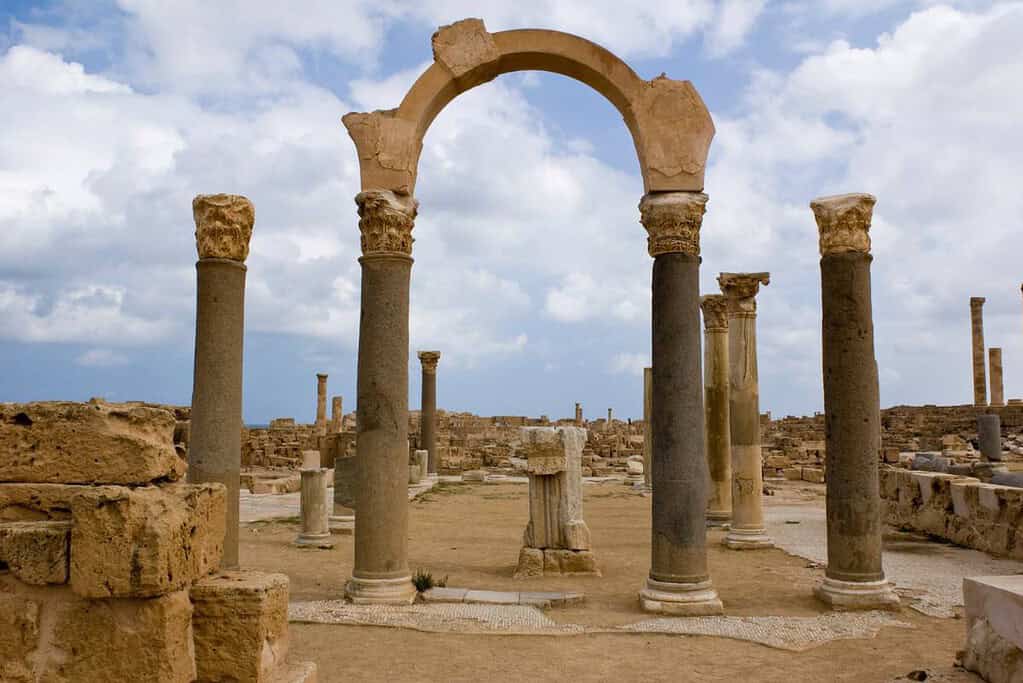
column 223, row 226
column 844, row 222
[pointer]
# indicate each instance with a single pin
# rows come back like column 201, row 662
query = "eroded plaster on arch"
column 670, row 125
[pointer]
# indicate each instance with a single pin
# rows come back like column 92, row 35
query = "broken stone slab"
column 50, row 634
column 930, row 462
column 37, row 502
column 994, row 627
column 479, row 476
column 36, row 553
column 147, row 541
column 240, row 626
column 87, row 443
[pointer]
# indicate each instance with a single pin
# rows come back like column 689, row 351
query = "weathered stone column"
column 995, row 369
column 648, row 397
column 678, row 582
column 977, row 325
column 852, row 411
column 428, row 407
column 715, row 396
column 337, row 414
column 578, row 414
column 747, row 530
column 313, row 506
column 223, row 227
column 607, row 427
column 381, row 573
column 989, row 436
column 321, row 403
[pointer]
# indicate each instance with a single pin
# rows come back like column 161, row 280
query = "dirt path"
column 472, row 534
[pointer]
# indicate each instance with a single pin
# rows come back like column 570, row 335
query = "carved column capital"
column 223, row 226
column 715, row 312
column 672, row 221
column 386, row 220
column 844, row 222
column 977, row 302
column 429, row 359
column 740, row 291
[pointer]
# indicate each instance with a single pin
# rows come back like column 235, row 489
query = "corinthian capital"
column 385, row 221
column 977, row 302
column 740, row 290
column 672, row 221
column 223, row 226
column 429, row 359
column 844, row 222
column 715, row 311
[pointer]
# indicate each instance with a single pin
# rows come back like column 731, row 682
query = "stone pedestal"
column 715, row 393
column 313, row 501
column 977, row 331
column 678, row 582
column 428, row 414
column 854, row 578
column 321, row 403
column 381, row 574
column 223, row 227
column 995, row 368
column 747, row 530
column 989, row 434
column 556, row 539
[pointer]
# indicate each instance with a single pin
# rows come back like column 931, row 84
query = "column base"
column 320, row 541
column 342, row 525
column 381, row 591
column 680, row 599
column 747, row 539
column 719, row 519
column 854, row 595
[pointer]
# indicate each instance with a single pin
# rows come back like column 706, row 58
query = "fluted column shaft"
column 428, row 408
column 995, row 368
column 715, row 392
column 977, row 342
column 678, row 582
column 747, row 531
column 852, row 411
column 381, row 573
column 223, row 228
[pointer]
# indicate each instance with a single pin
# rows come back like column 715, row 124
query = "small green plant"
column 424, row 581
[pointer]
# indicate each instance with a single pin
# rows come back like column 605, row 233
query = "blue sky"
column 531, row 272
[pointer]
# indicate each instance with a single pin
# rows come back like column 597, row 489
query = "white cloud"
column 101, row 358
column 732, row 23
column 629, row 363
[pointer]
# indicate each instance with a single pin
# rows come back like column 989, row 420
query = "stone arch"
column 670, row 125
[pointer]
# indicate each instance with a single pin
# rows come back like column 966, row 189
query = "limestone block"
column 474, row 475
column 530, row 563
column 241, row 626
column 814, row 475
column 467, row 51
column 634, row 468
column 568, row 562
column 19, row 636
column 36, row 552
column 545, row 451
column 146, row 541
column 87, row 443
column 994, row 623
column 37, row 502
column 992, row 657
column 295, row 672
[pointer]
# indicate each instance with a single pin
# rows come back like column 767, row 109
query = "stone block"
column 814, row 475
column 530, row 563
column 777, row 462
column 634, row 468
column 36, row 553
column 295, row 672
column 19, row 636
column 474, row 476
column 793, row 473
column 146, row 541
column 87, row 443
column 37, row 502
column 241, row 626
column 994, row 627
column 569, row 562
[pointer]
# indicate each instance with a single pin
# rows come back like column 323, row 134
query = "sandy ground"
column 472, row 533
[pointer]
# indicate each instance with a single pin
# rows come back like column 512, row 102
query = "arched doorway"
column 671, row 129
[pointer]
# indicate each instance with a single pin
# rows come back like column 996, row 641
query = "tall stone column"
column 578, row 414
column 607, row 427
column 337, row 414
column 715, row 395
column 977, row 325
column 995, row 368
column 648, row 450
column 747, row 531
column 321, row 403
column 428, row 407
column 223, row 227
column 679, row 582
column 852, row 411
column 381, row 573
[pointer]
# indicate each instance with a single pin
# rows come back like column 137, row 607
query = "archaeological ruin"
column 146, row 542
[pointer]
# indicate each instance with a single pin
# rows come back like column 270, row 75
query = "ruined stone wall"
column 963, row 510
column 109, row 563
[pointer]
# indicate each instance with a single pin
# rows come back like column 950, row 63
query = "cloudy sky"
column 531, row 272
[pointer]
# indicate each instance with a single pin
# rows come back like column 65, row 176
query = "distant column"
column 321, row 403
column 313, row 507
column 977, row 324
column 337, row 414
column 747, row 531
column 648, row 397
column 223, row 228
column 428, row 407
column 715, row 399
column 579, row 414
column 997, row 388
column 854, row 578
column 608, row 426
